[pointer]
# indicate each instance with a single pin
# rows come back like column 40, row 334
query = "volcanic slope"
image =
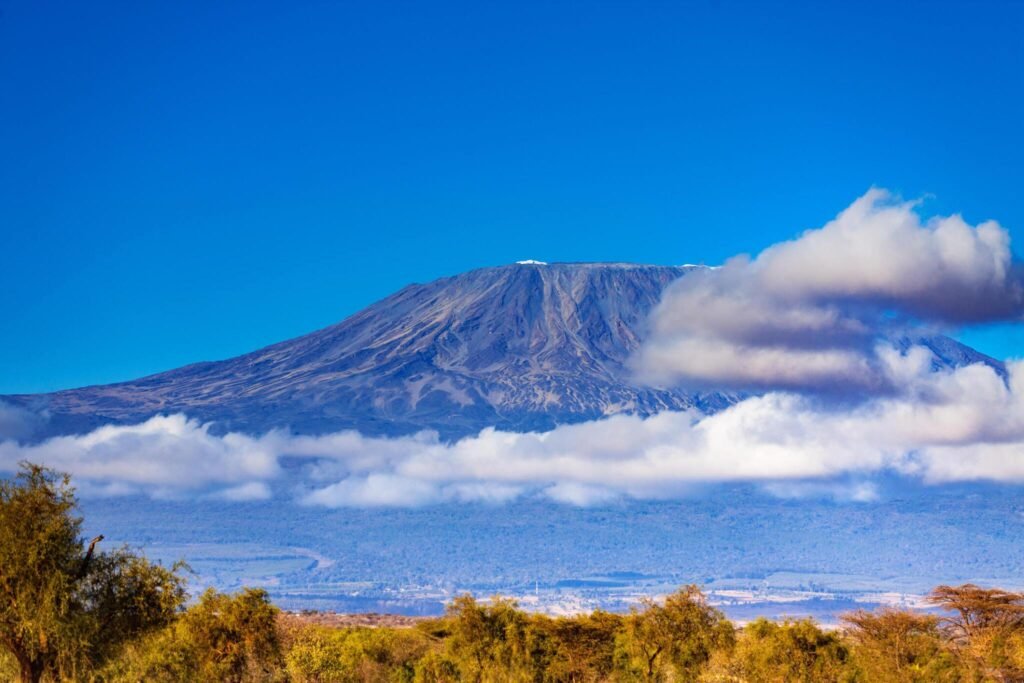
column 517, row 347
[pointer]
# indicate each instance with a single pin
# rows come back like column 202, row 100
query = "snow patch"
column 531, row 262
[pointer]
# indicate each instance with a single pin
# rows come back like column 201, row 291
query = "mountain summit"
column 518, row 347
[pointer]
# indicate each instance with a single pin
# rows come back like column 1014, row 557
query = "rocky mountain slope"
column 519, row 347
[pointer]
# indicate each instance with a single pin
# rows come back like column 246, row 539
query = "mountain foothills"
column 520, row 347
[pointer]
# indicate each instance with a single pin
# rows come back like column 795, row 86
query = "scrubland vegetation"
column 72, row 612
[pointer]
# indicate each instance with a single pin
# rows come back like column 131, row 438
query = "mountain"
column 519, row 347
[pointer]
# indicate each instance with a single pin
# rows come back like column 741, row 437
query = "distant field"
column 753, row 554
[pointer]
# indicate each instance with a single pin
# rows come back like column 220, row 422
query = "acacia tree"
column 583, row 646
column 898, row 646
column 677, row 636
column 493, row 641
column 789, row 652
column 66, row 607
column 986, row 629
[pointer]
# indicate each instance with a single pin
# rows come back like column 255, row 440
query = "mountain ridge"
column 520, row 347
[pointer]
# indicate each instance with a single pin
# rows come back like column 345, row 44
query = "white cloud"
column 879, row 250
column 581, row 495
column 855, row 492
column 162, row 456
column 253, row 490
column 375, row 490
column 950, row 425
column 807, row 314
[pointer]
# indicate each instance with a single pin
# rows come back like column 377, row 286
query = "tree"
column 678, row 636
column 223, row 637
column 356, row 655
column 897, row 646
column 64, row 607
column 583, row 646
column 494, row 642
column 790, row 652
column 985, row 627
column 233, row 637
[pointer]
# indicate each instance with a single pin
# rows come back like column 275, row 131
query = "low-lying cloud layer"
column 163, row 456
column 808, row 314
column 954, row 425
column 802, row 322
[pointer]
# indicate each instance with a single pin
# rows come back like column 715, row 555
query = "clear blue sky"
column 182, row 181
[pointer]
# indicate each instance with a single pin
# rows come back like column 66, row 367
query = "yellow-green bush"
column 789, row 652
column 671, row 640
column 230, row 638
column 356, row 655
column 896, row 646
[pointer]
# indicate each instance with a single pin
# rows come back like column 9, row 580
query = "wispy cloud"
column 16, row 422
column 253, row 490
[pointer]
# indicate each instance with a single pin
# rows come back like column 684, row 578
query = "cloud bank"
column 953, row 425
column 808, row 314
column 802, row 321
column 164, row 456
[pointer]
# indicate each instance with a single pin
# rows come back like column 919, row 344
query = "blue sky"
column 188, row 181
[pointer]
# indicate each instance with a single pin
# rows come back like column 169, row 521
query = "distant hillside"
column 519, row 347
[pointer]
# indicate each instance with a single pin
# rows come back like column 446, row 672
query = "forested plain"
column 72, row 611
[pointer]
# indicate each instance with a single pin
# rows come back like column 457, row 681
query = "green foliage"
column 230, row 638
column 583, row 647
column 64, row 610
column 360, row 655
column 8, row 667
column 494, row 642
column 673, row 639
column 895, row 646
column 790, row 652
column 984, row 630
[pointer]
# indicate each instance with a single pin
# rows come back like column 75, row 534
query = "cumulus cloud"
column 879, row 250
column 163, row 456
column 808, row 314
